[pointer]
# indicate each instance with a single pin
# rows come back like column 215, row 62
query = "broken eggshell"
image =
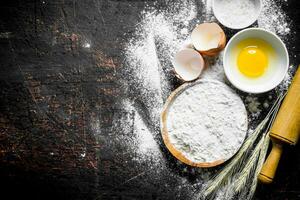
column 188, row 64
column 208, row 38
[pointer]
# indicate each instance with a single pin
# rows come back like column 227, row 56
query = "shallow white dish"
column 277, row 68
column 235, row 17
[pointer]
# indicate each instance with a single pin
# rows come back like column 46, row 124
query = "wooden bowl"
column 164, row 130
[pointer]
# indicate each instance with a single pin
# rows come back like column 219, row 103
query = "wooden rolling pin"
column 285, row 130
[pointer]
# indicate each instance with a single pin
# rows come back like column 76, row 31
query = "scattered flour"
column 253, row 106
column 286, row 81
column 149, row 53
column 215, row 69
column 207, row 121
column 142, row 140
column 273, row 18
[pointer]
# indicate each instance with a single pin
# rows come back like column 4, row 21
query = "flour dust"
column 147, row 72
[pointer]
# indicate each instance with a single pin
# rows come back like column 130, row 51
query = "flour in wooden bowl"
column 206, row 121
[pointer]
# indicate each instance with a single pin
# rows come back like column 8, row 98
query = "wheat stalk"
column 227, row 171
column 246, row 162
column 263, row 153
column 250, row 165
column 260, row 163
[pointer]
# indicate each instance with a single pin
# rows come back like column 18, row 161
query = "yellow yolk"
column 252, row 61
column 253, row 57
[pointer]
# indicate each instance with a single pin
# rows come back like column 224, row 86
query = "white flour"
column 207, row 122
column 236, row 13
column 271, row 18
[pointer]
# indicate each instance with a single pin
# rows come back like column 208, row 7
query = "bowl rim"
column 236, row 27
column 253, row 91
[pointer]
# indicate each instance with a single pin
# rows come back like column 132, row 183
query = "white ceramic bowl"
column 235, row 17
column 277, row 69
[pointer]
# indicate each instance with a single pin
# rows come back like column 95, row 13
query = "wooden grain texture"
column 285, row 130
column 51, row 89
column 270, row 166
column 286, row 127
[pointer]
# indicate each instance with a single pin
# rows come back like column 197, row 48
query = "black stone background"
column 51, row 89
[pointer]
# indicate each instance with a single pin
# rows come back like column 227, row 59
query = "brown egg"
column 208, row 38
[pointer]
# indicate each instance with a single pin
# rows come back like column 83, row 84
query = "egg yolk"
column 252, row 61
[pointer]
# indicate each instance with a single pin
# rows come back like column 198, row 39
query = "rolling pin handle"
column 268, row 170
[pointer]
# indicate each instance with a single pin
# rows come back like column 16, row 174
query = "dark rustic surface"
column 51, row 88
